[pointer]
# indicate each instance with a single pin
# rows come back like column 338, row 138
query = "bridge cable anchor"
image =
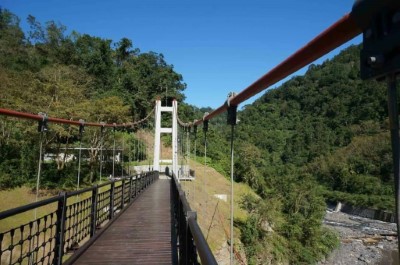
column 42, row 124
column 81, row 127
column 101, row 147
column 232, row 110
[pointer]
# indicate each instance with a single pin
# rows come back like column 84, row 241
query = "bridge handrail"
column 205, row 253
column 47, row 238
column 32, row 206
column 190, row 237
column 14, row 211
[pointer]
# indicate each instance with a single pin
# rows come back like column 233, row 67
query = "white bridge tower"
column 157, row 136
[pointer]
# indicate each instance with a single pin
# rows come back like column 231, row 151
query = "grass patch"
column 213, row 213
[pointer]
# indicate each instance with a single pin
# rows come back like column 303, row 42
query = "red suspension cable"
column 29, row 116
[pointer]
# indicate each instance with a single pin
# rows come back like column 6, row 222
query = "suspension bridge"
column 145, row 218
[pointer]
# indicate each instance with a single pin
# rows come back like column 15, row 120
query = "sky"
column 218, row 46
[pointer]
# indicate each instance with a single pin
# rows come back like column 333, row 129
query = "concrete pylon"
column 174, row 131
column 157, row 135
column 175, row 136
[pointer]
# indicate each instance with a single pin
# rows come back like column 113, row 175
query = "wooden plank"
column 141, row 235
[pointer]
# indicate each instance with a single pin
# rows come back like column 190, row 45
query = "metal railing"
column 73, row 218
column 190, row 239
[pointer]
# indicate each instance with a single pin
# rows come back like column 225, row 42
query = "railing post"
column 190, row 247
column 93, row 211
column 123, row 194
column 130, row 188
column 60, row 229
column 138, row 183
column 141, row 182
column 112, row 189
column 136, row 180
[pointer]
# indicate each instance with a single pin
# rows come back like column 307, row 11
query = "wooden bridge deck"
column 141, row 235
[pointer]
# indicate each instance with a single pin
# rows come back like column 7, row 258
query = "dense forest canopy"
column 327, row 123
column 316, row 138
column 71, row 76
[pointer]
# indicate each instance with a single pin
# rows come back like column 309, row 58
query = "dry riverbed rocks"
column 363, row 240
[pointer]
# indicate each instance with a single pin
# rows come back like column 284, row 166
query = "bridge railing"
column 69, row 221
column 191, row 242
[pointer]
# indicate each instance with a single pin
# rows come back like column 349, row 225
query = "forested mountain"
column 316, row 138
column 47, row 56
column 327, row 123
column 71, row 76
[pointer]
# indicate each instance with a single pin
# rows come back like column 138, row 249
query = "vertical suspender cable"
column 79, row 164
column 182, row 155
column 232, row 120
column 122, row 155
column 181, row 149
column 42, row 127
column 205, row 168
column 148, row 148
column 140, row 151
column 232, row 164
column 39, row 167
column 113, row 162
column 188, row 158
column 81, row 130
column 179, row 152
column 194, row 156
column 135, row 157
column 205, row 129
column 184, row 158
column 188, row 149
column 101, row 149
column 139, row 145
column 130, row 155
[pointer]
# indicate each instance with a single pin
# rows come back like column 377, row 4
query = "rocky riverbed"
column 363, row 240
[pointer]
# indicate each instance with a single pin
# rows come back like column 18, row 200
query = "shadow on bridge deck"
column 140, row 235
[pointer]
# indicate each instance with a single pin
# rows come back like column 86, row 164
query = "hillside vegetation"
column 73, row 76
column 316, row 138
column 328, row 124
